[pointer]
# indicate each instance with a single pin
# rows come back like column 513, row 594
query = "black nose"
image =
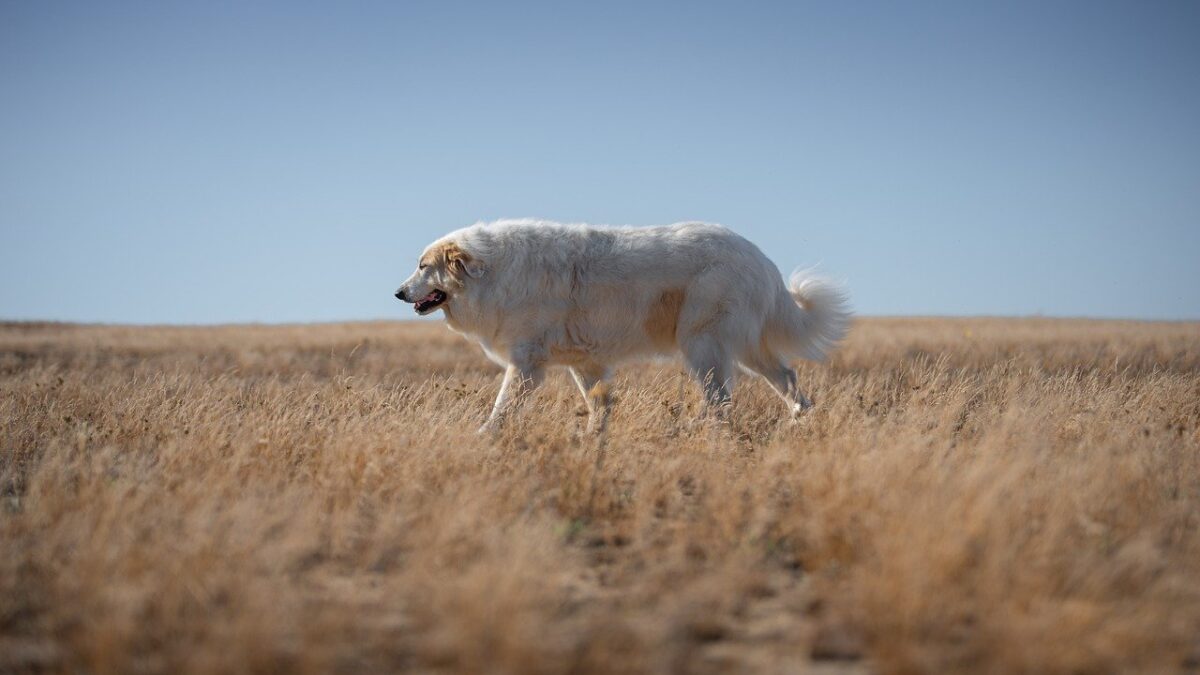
column 400, row 295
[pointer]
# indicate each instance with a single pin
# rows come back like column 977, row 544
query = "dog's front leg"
column 518, row 382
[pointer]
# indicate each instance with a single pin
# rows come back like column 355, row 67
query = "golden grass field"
column 974, row 495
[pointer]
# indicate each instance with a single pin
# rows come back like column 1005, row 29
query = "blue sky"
column 224, row 161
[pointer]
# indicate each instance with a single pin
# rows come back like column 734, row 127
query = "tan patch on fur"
column 450, row 256
column 662, row 318
column 598, row 394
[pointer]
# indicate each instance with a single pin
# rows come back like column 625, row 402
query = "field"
column 974, row 495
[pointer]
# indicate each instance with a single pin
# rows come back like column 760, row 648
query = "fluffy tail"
column 823, row 317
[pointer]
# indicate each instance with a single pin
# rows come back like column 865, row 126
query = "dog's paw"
column 800, row 412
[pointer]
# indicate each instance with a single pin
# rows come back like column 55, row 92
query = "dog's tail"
column 814, row 321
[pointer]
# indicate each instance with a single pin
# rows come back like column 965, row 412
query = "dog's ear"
column 464, row 263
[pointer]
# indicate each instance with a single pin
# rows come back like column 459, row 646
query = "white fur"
column 538, row 294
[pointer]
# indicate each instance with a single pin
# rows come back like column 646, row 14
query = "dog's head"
column 443, row 272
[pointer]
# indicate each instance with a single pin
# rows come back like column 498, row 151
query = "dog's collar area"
column 429, row 302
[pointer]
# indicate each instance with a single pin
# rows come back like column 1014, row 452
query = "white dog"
column 535, row 294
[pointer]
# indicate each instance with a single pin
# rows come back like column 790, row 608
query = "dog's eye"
column 422, row 266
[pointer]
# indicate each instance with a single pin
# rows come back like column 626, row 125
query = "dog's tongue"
column 429, row 298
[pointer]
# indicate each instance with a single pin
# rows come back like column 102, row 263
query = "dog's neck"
column 465, row 315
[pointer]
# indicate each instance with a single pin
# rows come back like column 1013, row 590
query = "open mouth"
column 427, row 304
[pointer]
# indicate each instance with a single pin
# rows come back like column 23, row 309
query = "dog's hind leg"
column 782, row 379
column 711, row 365
column 591, row 382
column 519, row 381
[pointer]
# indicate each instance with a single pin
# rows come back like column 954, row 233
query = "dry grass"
column 970, row 495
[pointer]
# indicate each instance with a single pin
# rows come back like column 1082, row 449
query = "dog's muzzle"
column 430, row 302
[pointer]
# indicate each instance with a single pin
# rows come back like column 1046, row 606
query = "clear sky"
column 208, row 162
